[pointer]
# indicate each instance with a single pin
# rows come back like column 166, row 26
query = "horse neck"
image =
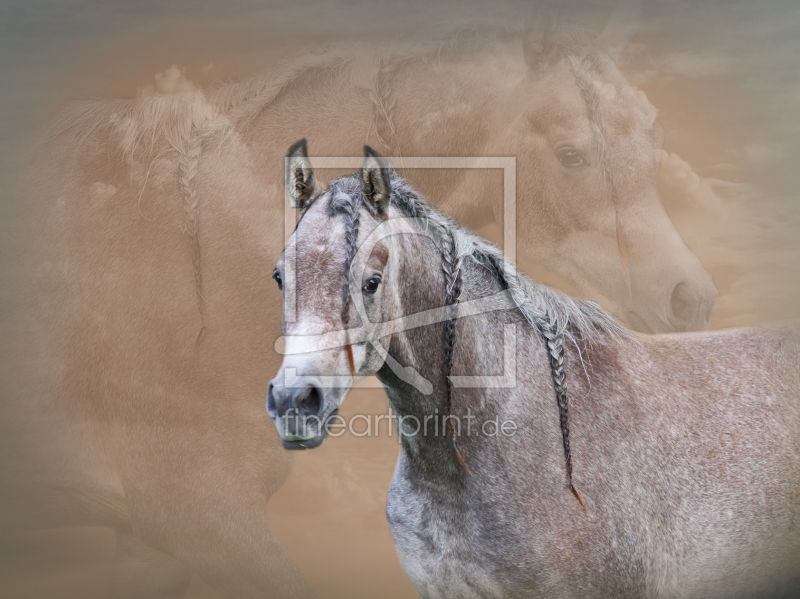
column 421, row 288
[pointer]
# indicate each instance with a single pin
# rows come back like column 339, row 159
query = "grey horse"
column 672, row 472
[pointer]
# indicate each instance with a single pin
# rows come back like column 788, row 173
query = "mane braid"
column 351, row 224
column 556, row 316
column 557, row 359
column 405, row 198
column 451, row 265
column 189, row 158
column 383, row 104
column 581, row 69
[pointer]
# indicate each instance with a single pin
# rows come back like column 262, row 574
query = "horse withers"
column 673, row 472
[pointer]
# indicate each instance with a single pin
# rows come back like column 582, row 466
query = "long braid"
column 188, row 162
column 554, row 345
column 383, row 104
column 556, row 356
column 351, row 224
column 550, row 324
column 451, row 266
column 582, row 70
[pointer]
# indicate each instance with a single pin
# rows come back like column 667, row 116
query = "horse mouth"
column 310, row 441
column 305, row 443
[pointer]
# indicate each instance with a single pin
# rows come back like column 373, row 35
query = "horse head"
column 588, row 155
column 330, row 285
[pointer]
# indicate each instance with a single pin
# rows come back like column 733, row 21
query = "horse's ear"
column 621, row 27
column 375, row 180
column 299, row 175
column 540, row 47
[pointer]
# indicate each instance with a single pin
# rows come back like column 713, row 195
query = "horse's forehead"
column 559, row 104
column 556, row 96
column 622, row 108
column 319, row 238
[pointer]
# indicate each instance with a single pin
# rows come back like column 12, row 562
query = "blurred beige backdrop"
column 724, row 78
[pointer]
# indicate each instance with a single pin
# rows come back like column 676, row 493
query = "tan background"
column 725, row 77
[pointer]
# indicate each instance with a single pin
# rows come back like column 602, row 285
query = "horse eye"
column 277, row 276
column 372, row 284
column 570, row 157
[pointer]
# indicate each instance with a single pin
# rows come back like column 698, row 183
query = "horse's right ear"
column 376, row 181
column 540, row 47
column 299, row 175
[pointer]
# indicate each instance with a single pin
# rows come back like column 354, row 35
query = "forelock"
column 344, row 191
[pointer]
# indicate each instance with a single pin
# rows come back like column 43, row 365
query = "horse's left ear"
column 540, row 48
column 375, row 180
column 299, row 175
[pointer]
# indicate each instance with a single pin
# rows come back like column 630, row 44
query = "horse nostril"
column 311, row 403
column 272, row 410
column 683, row 304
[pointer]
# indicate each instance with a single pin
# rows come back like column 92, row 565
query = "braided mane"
column 571, row 318
column 557, row 317
column 574, row 319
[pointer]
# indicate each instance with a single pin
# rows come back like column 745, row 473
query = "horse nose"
column 691, row 303
column 272, row 405
column 295, row 401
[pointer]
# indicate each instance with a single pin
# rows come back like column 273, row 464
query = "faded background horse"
column 190, row 446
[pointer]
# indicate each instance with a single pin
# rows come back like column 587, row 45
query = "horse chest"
column 436, row 546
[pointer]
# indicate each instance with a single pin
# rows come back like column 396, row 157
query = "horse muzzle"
column 299, row 414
